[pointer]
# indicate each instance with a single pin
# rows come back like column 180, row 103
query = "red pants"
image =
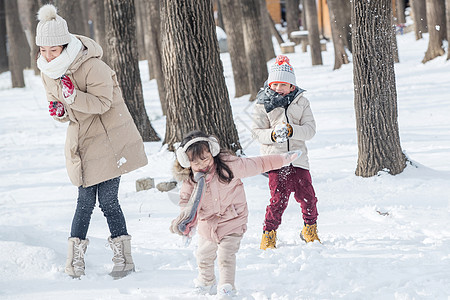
column 282, row 183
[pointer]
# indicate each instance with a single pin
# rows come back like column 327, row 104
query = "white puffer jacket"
column 299, row 115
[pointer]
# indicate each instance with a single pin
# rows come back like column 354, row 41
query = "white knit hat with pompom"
column 52, row 29
column 281, row 71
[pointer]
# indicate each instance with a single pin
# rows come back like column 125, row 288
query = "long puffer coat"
column 102, row 140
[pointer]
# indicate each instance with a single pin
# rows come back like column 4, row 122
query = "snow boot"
column 269, row 240
column 75, row 257
column 202, row 289
column 309, row 233
column 123, row 262
column 226, row 292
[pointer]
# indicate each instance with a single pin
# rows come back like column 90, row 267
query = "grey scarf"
column 272, row 99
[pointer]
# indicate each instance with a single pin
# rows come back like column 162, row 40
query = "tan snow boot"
column 309, row 233
column 75, row 257
column 123, row 262
column 269, row 240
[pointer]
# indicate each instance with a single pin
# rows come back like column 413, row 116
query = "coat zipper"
column 287, row 120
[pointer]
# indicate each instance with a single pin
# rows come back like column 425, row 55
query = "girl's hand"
column 292, row 156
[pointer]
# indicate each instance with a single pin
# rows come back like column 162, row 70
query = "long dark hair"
column 197, row 149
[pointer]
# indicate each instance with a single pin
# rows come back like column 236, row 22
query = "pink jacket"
column 223, row 209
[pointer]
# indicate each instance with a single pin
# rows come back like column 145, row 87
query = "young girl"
column 102, row 142
column 212, row 195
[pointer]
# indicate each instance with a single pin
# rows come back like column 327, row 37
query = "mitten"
column 184, row 213
column 56, row 108
column 68, row 89
column 291, row 156
column 282, row 132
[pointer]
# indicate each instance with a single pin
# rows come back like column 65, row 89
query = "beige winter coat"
column 298, row 115
column 223, row 208
column 102, row 140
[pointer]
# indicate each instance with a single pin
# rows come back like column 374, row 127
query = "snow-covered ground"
column 386, row 237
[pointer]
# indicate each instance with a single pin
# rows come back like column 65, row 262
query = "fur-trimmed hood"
column 180, row 173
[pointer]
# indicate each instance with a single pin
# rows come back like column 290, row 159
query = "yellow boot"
column 309, row 233
column 269, row 240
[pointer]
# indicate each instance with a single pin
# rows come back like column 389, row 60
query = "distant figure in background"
column 102, row 141
column 212, row 195
column 282, row 122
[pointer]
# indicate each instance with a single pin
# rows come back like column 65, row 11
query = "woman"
column 102, row 141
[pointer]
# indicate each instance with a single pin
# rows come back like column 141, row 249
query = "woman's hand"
column 56, row 108
column 68, row 89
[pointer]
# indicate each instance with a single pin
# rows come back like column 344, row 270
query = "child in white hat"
column 282, row 122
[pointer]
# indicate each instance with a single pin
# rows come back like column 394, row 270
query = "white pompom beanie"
column 52, row 29
column 281, row 71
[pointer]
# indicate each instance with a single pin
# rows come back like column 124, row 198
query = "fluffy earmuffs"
column 183, row 159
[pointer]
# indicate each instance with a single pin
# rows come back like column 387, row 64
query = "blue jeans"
column 107, row 192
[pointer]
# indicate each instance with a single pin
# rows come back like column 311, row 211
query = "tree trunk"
column 419, row 14
column 343, row 16
column 292, row 16
column 375, row 90
column 313, row 31
column 266, row 34
column 337, row 32
column 444, row 29
column 447, row 13
column 139, row 7
column 219, row 21
column 71, row 11
column 274, row 29
column 232, row 19
column 256, row 62
column 3, row 52
column 14, row 31
column 24, row 38
column 196, row 92
column 153, row 46
column 435, row 22
column 85, row 12
column 394, row 41
column 100, row 28
column 32, row 7
column 43, row 2
column 146, row 20
column 304, row 21
column 347, row 22
column 400, row 11
column 121, row 36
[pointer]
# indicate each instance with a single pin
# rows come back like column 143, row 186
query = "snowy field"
column 386, row 237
